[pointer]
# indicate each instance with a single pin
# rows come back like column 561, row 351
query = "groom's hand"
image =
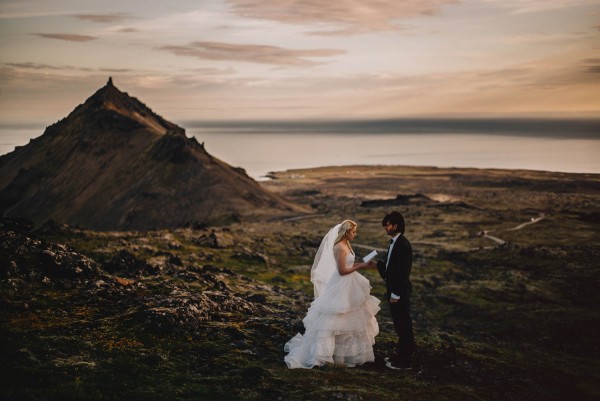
column 394, row 300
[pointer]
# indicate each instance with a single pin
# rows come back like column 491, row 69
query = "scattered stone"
column 125, row 261
column 278, row 279
column 438, row 234
column 247, row 254
column 182, row 310
column 51, row 227
column 258, row 298
column 124, row 282
column 175, row 260
column 76, row 361
column 34, row 260
column 221, row 240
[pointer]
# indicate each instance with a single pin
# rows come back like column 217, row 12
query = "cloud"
column 534, row 6
column 29, row 14
column 64, row 68
column 213, row 71
column 33, row 75
column 66, row 36
column 543, row 37
column 128, row 30
column 38, row 66
column 544, row 86
column 198, row 74
column 101, row 18
column 33, row 66
column 340, row 17
column 593, row 65
column 260, row 54
column 116, row 70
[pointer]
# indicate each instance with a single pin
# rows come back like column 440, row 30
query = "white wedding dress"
column 340, row 324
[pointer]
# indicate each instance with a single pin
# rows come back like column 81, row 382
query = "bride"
column 340, row 323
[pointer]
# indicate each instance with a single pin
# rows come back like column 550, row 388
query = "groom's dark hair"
column 395, row 218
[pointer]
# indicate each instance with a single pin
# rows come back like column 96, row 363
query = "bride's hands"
column 371, row 264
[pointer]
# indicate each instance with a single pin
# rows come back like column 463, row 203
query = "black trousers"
column 400, row 312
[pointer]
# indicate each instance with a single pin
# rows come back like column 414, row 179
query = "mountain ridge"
column 113, row 163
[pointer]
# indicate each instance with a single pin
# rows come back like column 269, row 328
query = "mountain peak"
column 110, row 103
column 110, row 92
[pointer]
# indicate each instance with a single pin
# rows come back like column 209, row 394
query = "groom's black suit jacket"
column 397, row 275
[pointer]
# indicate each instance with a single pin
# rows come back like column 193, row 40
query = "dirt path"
column 500, row 241
column 533, row 221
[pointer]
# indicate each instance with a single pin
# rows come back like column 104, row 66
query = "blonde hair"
column 346, row 226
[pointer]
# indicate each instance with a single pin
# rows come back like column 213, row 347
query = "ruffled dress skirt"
column 340, row 326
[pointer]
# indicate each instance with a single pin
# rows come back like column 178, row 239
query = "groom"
column 395, row 270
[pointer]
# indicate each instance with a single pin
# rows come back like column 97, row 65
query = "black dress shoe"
column 394, row 364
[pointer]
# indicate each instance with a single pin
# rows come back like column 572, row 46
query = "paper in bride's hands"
column 370, row 256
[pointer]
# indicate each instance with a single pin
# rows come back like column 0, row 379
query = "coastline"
column 268, row 146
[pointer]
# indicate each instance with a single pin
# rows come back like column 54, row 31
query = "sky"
column 303, row 59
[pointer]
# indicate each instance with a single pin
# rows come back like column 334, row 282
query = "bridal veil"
column 324, row 264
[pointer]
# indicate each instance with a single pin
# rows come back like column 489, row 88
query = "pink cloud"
column 341, row 17
column 101, row 18
column 251, row 53
column 67, row 36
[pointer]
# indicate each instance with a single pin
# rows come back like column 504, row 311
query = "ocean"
column 261, row 147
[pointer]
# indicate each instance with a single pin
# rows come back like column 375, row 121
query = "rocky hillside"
column 113, row 163
column 203, row 313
